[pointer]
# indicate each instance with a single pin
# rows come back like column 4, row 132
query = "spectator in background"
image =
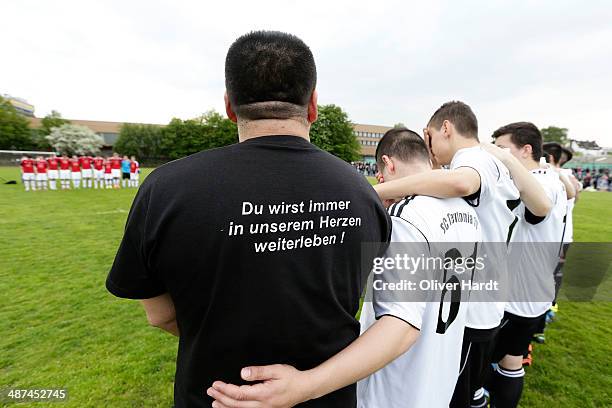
column 587, row 179
column 603, row 180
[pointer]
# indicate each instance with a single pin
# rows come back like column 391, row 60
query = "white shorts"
column 86, row 173
column 133, row 176
column 64, row 174
column 28, row 176
column 52, row 174
column 41, row 177
column 98, row 174
column 76, row 175
column 108, row 176
column 116, row 173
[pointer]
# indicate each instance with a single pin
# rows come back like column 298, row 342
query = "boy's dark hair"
column 521, row 134
column 553, row 149
column 269, row 75
column 460, row 115
column 402, row 143
column 568, row 154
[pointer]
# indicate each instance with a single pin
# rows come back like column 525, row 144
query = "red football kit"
column 133, row 167
column 41, row 166
column 75, row 166
column 27, row 165
column 85, row 162
column 116, row 162
column 64, row 163
column 98, row 164
column 52, row 164
column 108, row 166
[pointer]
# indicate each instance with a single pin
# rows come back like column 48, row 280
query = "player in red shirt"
column 41, row 173
column 108, row 173
column 52, row 172
column 75, row 168
column 64, row 172
column 134, row 172
column 116, row 169
column 98, row 171
column 27, row 173
column 86, row 171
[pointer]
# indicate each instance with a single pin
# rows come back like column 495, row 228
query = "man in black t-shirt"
column 263, row 264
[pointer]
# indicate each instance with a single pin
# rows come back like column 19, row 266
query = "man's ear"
column 527, row 151
column 313, row 111
column 228, row 109
column 447, row 128
column 389, row 165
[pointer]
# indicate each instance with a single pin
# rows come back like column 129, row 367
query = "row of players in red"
column 40, row 165
column 93, row 170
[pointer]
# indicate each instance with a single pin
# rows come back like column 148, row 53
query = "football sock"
column 506, row 387
column 479, row 399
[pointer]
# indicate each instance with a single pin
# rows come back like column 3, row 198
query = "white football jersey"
column 494, row 203
column 424, row 376
column 534, row 252
column 569, row 221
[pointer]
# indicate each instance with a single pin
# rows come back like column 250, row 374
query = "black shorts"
column 515, row 334
column 125, row 176
column 476, row 358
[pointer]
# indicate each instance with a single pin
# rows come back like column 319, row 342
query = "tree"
column 74, row 139
column 52, row 120
column 142, row 141
column 333, row 132
column 399, row 125
column 555, row 134
column 15, row 133
column 184, row 137
column 219, row 130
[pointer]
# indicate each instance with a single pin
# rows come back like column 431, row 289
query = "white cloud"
column 385, row 62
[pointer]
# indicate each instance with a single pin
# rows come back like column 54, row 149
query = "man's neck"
column 410, row 169
column 462, row 142
column 531, row 164
column 272, row 127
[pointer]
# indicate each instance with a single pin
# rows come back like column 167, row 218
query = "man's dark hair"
column 403, row 144
column 460, row 115
column 269, row 75
column 553, row 149
column 568, row 154
column 521, row 134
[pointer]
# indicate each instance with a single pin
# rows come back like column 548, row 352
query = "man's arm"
column 570, row 189
column 440, row 183
column 284, row 386
column 532, row 193
column 160, row 313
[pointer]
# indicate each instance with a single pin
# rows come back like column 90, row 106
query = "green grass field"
column 60, row 328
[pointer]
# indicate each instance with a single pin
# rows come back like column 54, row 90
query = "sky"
column 384, row 62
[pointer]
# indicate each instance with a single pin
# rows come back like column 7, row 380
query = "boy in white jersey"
column 435, row 226
column 533, row 256
column 555, row 153
column 483, row 181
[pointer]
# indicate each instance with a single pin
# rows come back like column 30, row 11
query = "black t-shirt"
column 259, row 244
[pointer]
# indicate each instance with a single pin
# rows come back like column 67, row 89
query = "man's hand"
column 381, row 179
column 282, row 386
column 503, row 155
column 432, row 156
